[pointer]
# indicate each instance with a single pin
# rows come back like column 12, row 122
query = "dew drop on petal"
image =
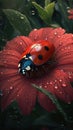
column 20, row 43
column 45, row 86
column 70, row 77
column 35, row 29
column 46, row 38
column 47, row 82
column 56, row 87
column 50, row 83
column 64, row 85
column 11, row 88
column 55, row 33
column 55, row 80
column 59, row 36
column 40, row 86
column 60, row 80
column 72, row 36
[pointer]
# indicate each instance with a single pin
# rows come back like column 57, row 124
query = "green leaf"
column 54, row 100
column 47, row 2
column 50, row 9
column 18, row 20
column 42, row 13
column 45, row 120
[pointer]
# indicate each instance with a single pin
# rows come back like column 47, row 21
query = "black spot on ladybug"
column 46, row 48
column 40, row 57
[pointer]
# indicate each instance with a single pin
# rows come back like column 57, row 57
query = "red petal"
column 70, row 17
column 18, row 44
column 70, row 11
column 64, row 54
column 58, row 84
column 18, row 88
column 9, row 58
column 45, row 102
column 49, row 34
column 39, row 34
column 64, row 44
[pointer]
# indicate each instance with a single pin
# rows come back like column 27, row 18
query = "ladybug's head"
column 25, row 65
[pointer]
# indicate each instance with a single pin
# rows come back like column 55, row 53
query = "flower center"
column 37, row 59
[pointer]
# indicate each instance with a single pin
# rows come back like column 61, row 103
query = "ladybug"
column 37, row 54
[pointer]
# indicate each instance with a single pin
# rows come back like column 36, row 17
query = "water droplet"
column 72, row 36
column 50, row 83
column 55, row 33
column 60, row 80
column 59, row 36
column 22, row 17
column 47, row 82
column 46, row 38
column 70, row 77
column 21, row 43
column 56, row 87
column 45, row 86
column 33, row 12
column 55, row 80
column 64, row 85
column 35, row 29
column 40, row 86
column 11, row 88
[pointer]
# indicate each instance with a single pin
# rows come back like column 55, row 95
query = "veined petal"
column 57, row 82
column 19, row 44
column 16, row 88
column 48, row 34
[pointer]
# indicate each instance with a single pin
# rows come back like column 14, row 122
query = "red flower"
column 55, row 77
column 70, row 14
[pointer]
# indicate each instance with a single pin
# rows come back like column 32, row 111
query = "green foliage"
column 18, row 20
column 45, row 13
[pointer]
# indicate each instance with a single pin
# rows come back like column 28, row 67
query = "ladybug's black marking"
column 46, row 48
column 27, row 55
column 40, row 57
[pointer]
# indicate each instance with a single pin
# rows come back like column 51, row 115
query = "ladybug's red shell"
column 40, row 52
